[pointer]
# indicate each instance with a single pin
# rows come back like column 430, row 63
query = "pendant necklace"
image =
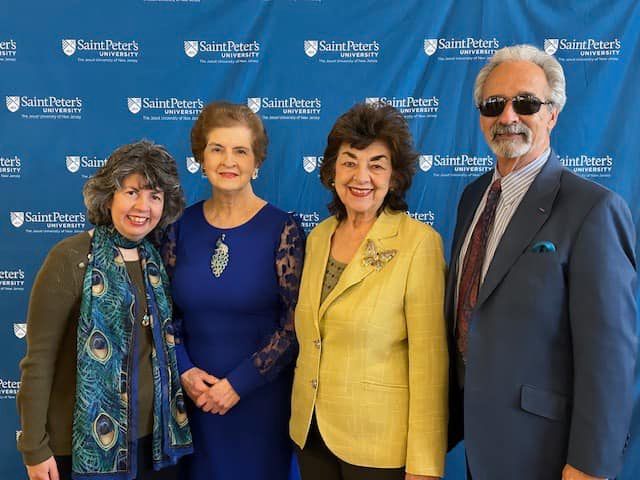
column 220, row 257
column 146, row 318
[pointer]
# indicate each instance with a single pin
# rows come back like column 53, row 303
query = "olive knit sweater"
column 47, row 392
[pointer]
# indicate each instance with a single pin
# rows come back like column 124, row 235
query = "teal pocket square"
column 543, row 247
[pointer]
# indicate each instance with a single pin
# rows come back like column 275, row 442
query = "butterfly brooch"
column 377, row 259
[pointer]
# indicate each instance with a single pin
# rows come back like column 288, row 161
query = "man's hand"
column 219, row 398
column 47, row 470
column 196, row 381
column 570, row 473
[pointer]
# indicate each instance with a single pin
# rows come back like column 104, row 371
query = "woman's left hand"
column 411, row 476
column 219, row 398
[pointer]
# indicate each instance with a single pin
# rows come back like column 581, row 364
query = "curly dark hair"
column 151, row 161
column 226, row 114
column 359, row 127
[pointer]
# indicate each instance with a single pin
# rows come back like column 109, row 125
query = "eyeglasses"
column 522, row 105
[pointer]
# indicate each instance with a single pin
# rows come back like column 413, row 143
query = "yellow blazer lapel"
column 384, row 227
column 318, row 263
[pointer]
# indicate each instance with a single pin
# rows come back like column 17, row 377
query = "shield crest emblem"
column 192, row 165
column 551, row 45
column 254, row 104
column 17, row 219
column 426, row 162
column 73, row 163
column 20, row 329
column 69, row 47
column 430, row 46
column 191, row 48
column 13, row 103
column 311, row 48
column 372, row 100
column 134, row 104
column 309, row 163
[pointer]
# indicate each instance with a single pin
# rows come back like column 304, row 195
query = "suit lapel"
column 385, row 226
column 529, row 217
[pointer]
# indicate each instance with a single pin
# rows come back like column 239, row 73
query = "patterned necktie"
column 472, row 267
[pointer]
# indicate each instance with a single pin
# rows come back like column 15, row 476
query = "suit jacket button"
column 314, row 383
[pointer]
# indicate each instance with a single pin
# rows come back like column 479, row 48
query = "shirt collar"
column 512, row 183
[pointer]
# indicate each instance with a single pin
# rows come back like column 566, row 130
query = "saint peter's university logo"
column 309, row 163
column 134, row 104
column 17, row 219
column 430, row 46
column 192, row 165
column 372, row 100
column 69, row 47
column 254, row 104
column 311, row 47
column 551, row 45
column 425, row 162
column 20, row 329
column 191, row 48
column 73, row 163
column 13, row 103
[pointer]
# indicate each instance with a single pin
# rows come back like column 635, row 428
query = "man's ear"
column 553, row 119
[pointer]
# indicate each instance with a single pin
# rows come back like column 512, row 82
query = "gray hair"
column 528, row 53
column 153, row 163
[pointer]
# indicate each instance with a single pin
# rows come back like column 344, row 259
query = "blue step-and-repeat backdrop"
column 79, row 78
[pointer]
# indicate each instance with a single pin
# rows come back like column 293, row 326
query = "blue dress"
column 238, row 326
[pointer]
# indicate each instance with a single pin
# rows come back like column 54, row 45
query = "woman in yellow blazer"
column 371, row 380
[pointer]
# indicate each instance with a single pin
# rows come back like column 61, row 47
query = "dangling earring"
column 333, row 184
column 254, row 175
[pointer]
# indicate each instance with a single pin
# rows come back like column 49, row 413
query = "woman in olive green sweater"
column 100, row 395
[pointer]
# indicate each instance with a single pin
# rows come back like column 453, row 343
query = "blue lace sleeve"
column 168, row 244
column 281, row 348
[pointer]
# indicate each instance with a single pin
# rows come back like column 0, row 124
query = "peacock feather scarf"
column 104, row 428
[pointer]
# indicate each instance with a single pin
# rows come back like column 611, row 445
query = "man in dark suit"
column 540, row 296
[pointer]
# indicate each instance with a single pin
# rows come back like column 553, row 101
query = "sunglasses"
column 522, row 105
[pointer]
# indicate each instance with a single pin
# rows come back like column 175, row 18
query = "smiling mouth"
column 139, row 221
column 360, row 192
column 228, row 174
column 508, row 135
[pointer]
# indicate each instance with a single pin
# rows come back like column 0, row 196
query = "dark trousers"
column 317, row 462
column 145, row 464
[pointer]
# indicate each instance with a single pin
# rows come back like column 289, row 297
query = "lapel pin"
column 542, row 210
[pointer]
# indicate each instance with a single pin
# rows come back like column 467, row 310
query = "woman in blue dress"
column 235, row 262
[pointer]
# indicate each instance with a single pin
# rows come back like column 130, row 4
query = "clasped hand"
column 209, row 393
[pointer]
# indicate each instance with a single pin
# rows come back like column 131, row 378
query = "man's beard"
column 513, row 147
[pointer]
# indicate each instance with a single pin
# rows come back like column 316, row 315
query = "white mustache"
column 514, row 128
